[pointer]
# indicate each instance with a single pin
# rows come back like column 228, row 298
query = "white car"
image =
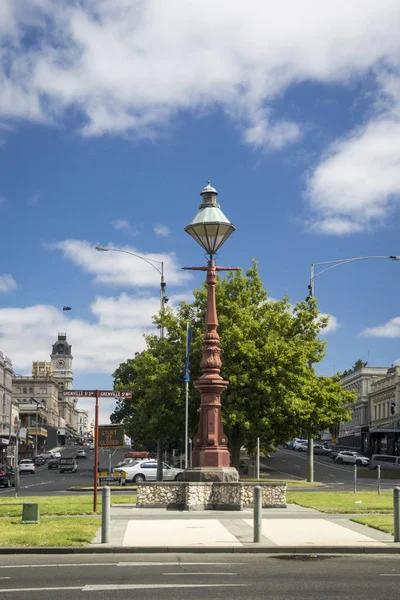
column 352, row 458
column 51, row 454
column 146, row 470
column 300, row 445
column 27, row 465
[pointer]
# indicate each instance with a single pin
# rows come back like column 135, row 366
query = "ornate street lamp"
column 211, row 458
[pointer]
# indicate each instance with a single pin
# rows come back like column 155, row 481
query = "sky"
column 113, row 117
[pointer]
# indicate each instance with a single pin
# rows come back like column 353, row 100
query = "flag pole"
column 186, row 404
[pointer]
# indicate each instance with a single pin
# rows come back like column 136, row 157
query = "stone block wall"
column 208, row 496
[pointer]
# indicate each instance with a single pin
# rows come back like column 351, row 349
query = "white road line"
column 151, row 586
column 389, row 574
column 121, row 564
column 206, row 573
column 5, row 577
column 39, row 589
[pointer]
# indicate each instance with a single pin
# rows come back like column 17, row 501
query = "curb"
column 256, row 549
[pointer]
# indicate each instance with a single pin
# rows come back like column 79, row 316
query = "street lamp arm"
column 337, row 263
column 150, row 261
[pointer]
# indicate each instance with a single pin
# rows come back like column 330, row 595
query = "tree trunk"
column 236, row 442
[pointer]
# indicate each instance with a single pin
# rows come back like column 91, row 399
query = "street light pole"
column 163, row 301
column 211, row 459
column 311, row 294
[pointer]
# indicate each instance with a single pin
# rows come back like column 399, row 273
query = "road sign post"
column 96, row 394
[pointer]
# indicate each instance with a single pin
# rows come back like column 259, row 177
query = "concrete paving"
column 292, row 527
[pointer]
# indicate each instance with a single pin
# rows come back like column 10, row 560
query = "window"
column 25, row 390
column 31, row 390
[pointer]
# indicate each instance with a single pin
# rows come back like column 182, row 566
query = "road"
column 47, row 481
column 198, row 577
column 293, row 464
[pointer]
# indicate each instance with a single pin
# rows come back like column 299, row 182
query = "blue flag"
column 189, row 334
column 67, row 308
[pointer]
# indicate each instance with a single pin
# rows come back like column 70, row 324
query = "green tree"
column 358, row 365
column 273, row 392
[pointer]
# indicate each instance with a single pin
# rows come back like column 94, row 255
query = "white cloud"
column 7, row 283
column 123, row 225
column 391, row 329
column 132, row 66
column 162, row 230
column 121, row 269
column 356, row 185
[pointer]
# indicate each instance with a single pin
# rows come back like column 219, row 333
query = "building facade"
column 6, row 421
column 83, row 423
column 355, row 432
column 384, row 406
column 61, row 364
column 43, row 389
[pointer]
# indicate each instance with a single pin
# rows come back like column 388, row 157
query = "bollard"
column 355, row 479
column 379, row 480
column 396, row 513
column 257, row 503
column 105, row 515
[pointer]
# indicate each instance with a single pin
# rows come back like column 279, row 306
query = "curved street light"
column 313, row 275
column 152, row 263
column 163, row 301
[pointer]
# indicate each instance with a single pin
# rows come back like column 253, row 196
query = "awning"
column 384, row 431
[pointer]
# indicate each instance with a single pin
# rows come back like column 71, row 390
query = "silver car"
column 352, row 458
column 146, row 470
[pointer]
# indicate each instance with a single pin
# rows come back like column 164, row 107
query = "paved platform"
column 292, row 527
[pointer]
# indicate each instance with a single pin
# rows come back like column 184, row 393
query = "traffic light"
column 58, row 433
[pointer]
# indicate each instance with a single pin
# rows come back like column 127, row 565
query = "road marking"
column 207, row 573
column 389, row 574
column 39, row 589
column 152, row 586
column 120, row 564
column 5, row 577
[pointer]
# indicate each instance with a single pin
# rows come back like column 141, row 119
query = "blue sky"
column 113, row 116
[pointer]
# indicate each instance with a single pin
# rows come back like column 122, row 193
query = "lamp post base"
column 211, row 474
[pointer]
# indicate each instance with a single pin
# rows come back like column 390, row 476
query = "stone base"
column 210, row 474
column 187, row 495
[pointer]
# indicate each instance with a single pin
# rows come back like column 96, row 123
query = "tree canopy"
column 269, row 349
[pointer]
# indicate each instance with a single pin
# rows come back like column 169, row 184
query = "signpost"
column 97, row 394
column 17, row 426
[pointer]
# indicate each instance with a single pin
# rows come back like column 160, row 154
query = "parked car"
column 352, row 458
column 301, row 446
column 387, row 462
column 51, row 454
column 147, row 471
column 127, row 462
column 81, row 454
column 68, row 464
column 320, row 449
column 39, row 460
column 7, row 475
column 53, row 463
column 290, row 445
column 26, row 465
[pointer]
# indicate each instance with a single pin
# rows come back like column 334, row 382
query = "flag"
column 189, row 334
column 66, row 308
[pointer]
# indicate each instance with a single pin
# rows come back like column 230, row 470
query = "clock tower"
column 61, row 362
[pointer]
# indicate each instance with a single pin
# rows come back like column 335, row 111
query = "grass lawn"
column 383, row 523
column 344, row 502
column 50, row 532
column 58, row 505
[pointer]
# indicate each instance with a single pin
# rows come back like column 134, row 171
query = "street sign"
column 102, row 393
column 16, row 424
column 115, row 394
column 80, row 393
column 111, row 436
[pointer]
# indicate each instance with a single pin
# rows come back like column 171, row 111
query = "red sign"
column 102, row 393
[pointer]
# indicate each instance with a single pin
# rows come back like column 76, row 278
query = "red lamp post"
column 211, row 457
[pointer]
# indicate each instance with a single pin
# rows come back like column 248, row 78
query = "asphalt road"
column 293, row 464
column 47, row 481
column 199, row 577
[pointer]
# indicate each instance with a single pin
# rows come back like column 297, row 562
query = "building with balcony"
column 384, row 398
column 355, row 432
column 42, row 388
column 83, row 423
column 34, row 421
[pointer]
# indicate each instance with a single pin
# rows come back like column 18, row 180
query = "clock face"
column 60, row 363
